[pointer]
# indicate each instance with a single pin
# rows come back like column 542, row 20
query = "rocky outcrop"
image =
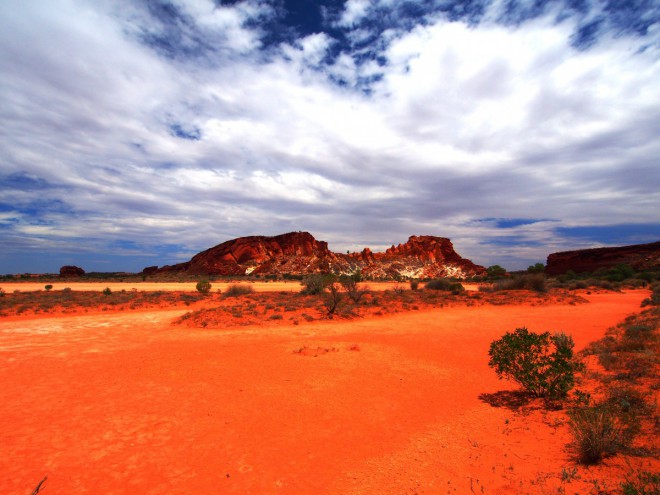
column 71, row 271
column 638, row 256
column 420, row 257
column 301, row 253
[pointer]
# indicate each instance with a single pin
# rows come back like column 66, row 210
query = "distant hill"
column 638, row 256
column 301, row 253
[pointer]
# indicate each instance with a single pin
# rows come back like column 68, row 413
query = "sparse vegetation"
column 533, row 281
column 235, row 290
column 542, row 363
column 596, row 432
column 641, row 482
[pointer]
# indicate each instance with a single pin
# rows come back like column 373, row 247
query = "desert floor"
column 127, row 402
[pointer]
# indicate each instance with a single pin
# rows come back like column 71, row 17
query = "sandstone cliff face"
column 301, row 253
column 639, row 256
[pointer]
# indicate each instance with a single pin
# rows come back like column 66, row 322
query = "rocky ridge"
column 301, row 253
column 638, row 256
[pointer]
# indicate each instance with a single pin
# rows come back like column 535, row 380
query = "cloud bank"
column 141, row 133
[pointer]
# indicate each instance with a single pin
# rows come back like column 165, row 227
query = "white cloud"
column 466, row 122
column 354, row 11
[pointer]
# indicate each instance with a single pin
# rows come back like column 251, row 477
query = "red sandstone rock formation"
column 71, row 271
column 300, row 253
column 639, row 256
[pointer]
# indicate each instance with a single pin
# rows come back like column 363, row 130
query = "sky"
column 139, row 133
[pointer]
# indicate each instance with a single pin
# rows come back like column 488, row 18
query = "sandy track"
column 128, row 403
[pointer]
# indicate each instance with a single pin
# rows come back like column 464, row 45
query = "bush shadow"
column 510, row 399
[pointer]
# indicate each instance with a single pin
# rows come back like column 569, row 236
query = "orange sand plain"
column 129, row 403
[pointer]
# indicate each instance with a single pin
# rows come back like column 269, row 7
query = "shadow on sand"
column 511, row 399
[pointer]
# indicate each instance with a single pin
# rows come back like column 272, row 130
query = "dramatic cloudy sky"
column 138, row 133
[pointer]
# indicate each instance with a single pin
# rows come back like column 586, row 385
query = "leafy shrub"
column 203, row 286
column 414, row 284
column 48, row 287
column 107, row 291
column 235, row 290
column 542, row 363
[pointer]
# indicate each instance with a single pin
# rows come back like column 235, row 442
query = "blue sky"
column 140, row 133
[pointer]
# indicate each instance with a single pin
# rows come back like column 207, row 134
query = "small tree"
column 332, row 299
column 537, row 268
column 48, row 287
column 203, row 286
column 542, row 363
column 107, row 291
column 352, row 287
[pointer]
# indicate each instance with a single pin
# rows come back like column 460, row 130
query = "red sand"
column 128, row 403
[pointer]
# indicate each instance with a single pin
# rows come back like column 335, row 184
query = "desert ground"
column 129, row 402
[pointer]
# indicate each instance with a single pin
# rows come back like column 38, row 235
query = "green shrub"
column 107, row 291
column 48, row 287
column 542, row 363
column 203, row 286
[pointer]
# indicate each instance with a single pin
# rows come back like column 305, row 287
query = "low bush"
column 203, row 286
column 533, row 281
column 443, row 284
column 316, row 284
column 542, row 363
column 654, row 299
